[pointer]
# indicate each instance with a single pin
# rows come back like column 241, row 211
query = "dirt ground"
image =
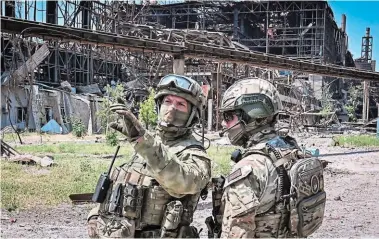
column 351, row 181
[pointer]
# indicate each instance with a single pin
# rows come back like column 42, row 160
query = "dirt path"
column 352, row 184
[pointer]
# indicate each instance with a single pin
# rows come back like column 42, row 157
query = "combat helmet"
column 255, row 100
column 186, row 88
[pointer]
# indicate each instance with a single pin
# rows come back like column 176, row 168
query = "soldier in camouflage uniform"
column 275, row 189
column 156, row 194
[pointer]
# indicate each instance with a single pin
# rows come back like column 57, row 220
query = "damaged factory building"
column 54, row 66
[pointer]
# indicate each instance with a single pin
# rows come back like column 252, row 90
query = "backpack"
column 301, row 184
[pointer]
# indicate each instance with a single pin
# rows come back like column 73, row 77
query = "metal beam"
column 188, row 48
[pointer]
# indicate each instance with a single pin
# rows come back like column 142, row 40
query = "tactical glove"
column 92, row 227
column 130, row 125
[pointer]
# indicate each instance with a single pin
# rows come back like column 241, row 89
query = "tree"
column 326, row 100
column 147, row 113
column 355, row 92
column 105, row 114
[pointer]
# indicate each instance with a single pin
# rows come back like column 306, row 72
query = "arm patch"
column 237, row 175
column 234, row 175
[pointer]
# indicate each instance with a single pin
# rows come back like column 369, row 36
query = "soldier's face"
column 174, row 110
column 229, row 120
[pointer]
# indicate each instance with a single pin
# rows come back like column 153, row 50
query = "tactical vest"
column 137, row 196
column 297, row 178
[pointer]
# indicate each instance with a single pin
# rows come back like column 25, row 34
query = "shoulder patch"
column 237, row 175
column 234, row 175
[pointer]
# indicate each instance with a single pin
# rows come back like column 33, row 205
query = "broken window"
column 21, row 114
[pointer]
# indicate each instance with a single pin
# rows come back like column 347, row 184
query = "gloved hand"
column 130, row 125
column 92, row 227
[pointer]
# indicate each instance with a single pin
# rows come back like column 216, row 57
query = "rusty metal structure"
column 96, row 42
column 370, row 101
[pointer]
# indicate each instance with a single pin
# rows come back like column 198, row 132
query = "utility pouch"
column 132, row 201
column 171, row 217
column 114, row 201
column 311, row 214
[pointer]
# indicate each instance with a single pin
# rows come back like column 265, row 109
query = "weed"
column 111, row 138
column 357, row 140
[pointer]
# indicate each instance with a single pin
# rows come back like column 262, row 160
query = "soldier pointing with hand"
column 156, row 193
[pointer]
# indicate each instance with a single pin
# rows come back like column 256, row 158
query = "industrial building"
column 78, row 69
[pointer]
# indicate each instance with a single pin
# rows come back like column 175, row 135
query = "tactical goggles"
column 180, row 82
column 229, row 115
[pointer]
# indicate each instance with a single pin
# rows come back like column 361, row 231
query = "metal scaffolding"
column 83, row 38
column 300, row 29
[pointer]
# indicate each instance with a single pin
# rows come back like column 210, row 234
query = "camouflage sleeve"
column 241, row 199
column 187, row 174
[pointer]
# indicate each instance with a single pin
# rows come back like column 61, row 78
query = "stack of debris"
column 10, row 154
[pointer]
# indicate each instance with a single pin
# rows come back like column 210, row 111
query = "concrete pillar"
column 178, row 64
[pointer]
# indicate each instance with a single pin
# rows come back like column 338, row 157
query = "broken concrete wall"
column 85, row 108
column 18, row 98
column 51, row 104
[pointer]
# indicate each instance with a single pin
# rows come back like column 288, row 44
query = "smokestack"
column 343, row 23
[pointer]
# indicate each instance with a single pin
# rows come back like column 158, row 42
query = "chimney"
column 343, row 23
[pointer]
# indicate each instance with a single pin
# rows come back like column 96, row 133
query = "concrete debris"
column 10, row 154
column 31, row 160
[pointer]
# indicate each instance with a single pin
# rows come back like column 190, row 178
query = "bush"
column 78, row 128
column 111, row 138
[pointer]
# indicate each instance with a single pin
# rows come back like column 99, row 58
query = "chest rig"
column 136, row 195
column 299, row 204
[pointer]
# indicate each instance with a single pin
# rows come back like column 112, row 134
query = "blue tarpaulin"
column 52, row 127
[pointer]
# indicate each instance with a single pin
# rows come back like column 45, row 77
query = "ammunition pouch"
column 171, row 218
column 139, row 198
column 154, row 206
column 132, row 201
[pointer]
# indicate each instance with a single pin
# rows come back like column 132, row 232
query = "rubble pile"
column 8, row 153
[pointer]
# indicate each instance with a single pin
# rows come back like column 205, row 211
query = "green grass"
column 74, row 148
column 78, row 166
column 221, row 163
column 357, row 140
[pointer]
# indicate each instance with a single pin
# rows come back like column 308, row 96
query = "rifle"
column 213, row 222
column 104, row 182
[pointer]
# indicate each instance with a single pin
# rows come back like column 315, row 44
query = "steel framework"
column 300, row 29
column 99, row 41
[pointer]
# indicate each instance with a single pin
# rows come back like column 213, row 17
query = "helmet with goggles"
column 185, row 88
column 254, row 101
column 254, row 98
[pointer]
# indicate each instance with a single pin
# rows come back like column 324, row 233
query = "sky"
column 359, row 15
